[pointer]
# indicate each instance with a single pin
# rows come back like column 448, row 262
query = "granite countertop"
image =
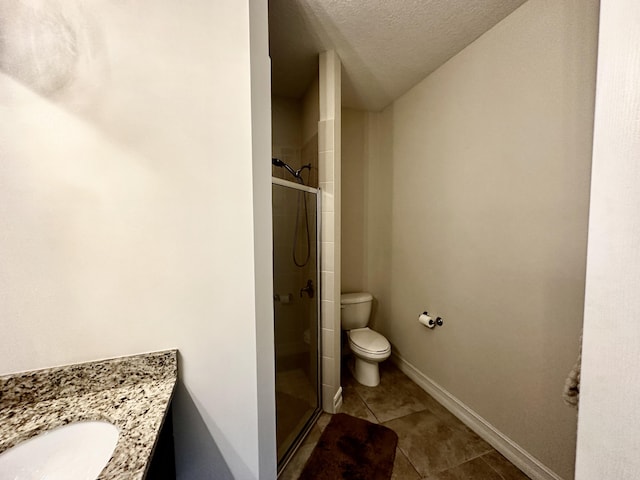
column 133, row 393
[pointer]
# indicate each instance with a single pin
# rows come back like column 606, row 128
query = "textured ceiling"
column 386, row 46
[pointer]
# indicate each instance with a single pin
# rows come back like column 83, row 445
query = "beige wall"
column 354, row 181
column 286, row 121
column 129, row 205
column 311, row 110
column 610, row 391
column 310, row 117
column 476, row 209
column 286, row 118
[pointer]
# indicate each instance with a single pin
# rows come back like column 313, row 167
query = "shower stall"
column 296, row 305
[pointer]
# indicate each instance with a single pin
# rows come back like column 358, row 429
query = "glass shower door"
column 295, row 303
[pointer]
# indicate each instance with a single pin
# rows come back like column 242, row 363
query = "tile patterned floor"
column 432, row 443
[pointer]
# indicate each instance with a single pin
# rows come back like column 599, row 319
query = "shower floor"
column 295, row 403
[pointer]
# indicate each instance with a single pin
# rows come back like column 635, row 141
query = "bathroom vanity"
column 132, row 393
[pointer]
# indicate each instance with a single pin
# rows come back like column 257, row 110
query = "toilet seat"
column 369, row 343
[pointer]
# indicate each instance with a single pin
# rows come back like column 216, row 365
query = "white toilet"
column 369, row 348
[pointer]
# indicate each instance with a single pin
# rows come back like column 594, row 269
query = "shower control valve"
column 308, row 289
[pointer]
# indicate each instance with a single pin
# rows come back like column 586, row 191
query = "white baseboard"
column 337, row 400
column 331, row 402
column 503, row 444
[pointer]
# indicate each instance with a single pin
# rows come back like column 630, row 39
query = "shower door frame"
column 282, row 462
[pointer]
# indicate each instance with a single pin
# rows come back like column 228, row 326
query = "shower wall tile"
column 280, row 238
column 277, row 172
column 327, row 280
column 326, row 167
column 322, row 136
column 327, row 199
column 287, row 283
column 326, row 135
column 327, row 366
column 291, row 155
column 328, row 392
column 327, row 343
column 327, row 187
column 313, row 176
column 309, row 155
column 289, row 152
column 327, row 259
column 329, row 176
column 288, row 327
column 309, row 150
column 279, row 201
column 328, row 315
column 328, row 228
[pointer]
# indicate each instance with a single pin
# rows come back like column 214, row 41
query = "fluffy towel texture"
column 571, row 392
column 352, row 449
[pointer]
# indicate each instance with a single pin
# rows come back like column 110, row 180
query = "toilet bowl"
column 369, row 348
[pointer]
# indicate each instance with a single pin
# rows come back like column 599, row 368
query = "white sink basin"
column 77, row 451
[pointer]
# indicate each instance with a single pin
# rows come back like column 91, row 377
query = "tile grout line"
column 408, row 460
column 475, row 458
column 405, row 453
column 452, row 466
column 491, row 466
column 366, row 405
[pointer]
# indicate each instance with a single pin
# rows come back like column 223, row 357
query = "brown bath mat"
column 352, row 449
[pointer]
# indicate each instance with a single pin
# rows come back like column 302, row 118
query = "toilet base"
column 366, row 373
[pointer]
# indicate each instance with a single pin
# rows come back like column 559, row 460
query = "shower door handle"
column 308, row 289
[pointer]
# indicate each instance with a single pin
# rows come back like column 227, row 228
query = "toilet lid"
column 358, row 297
column 367, row 339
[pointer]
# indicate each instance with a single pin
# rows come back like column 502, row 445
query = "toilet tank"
column 355, row 310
